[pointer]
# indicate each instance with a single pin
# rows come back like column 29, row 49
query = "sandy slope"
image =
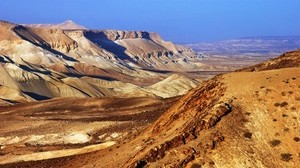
column 54, row 154
column 173, row 85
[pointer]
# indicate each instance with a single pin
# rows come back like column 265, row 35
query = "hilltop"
column 286, row 60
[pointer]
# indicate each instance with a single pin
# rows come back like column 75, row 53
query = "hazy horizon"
column 179, row 21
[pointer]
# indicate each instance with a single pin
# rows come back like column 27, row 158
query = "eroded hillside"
column 42, row 61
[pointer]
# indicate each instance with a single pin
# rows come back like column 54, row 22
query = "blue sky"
column 181, row 21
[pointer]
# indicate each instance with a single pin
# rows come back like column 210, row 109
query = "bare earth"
column 63, row 127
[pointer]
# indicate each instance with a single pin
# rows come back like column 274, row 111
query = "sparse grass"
column 247, row 113
column 293, row 108
column 248, row 135
column 286, row 157
column 296, row 139
column 286, row 81
column 211, row 163
column 196, row 165
column 283, row 104
column 277, row 104
column 275, row 142
column 286, row 129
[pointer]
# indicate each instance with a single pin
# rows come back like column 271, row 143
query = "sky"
column 180, row 21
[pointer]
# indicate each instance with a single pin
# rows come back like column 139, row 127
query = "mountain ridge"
column 57, row 59
column 66, row 25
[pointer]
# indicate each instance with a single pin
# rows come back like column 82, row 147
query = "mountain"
column 128, row 48
column 221, row 123
column 67, row 25
column 39, row 62
column 260, row 45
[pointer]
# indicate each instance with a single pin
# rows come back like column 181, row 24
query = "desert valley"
column 71, row 96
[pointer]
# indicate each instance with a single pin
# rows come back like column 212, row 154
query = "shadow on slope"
column 36, row 96
column 101, row 40
column 25, row 34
